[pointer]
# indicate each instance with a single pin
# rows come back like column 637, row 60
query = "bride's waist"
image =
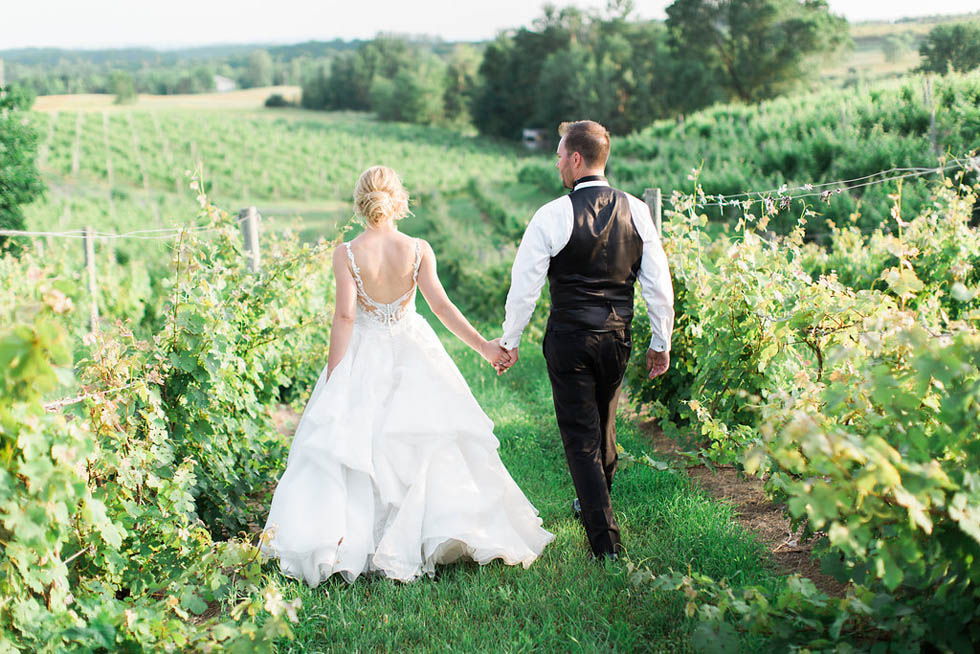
column 371, row 320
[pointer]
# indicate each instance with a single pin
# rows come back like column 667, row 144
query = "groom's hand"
column 498, row 356
column 657, row 362
column 506, row 358
column 509, row 360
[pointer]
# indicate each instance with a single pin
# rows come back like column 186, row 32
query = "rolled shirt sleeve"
column 654, row 276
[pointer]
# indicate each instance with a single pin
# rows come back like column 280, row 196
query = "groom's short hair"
column 589, row 139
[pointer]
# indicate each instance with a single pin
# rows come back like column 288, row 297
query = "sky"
column 179, row 23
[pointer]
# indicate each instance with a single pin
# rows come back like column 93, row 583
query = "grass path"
column 565, row 601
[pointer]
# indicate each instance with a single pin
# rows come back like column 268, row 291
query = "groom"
column 591, row 245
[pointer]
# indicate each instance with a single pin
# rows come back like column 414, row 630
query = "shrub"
column 278, row 100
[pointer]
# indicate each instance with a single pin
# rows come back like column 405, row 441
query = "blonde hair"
column 380, row 196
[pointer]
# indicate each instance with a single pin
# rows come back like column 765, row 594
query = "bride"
column 394, row 467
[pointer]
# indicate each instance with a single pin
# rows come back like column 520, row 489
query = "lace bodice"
column 381, row 313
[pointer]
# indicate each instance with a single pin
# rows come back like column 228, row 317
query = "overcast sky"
column 176, row 23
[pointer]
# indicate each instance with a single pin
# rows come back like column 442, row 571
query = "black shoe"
column 577, row 509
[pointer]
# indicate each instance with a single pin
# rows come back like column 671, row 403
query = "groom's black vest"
column 591, row 279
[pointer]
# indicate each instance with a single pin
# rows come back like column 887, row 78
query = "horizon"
column 19, row 30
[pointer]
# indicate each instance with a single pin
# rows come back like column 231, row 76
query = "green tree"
column 754, row 49
column 896, row 46
column 351, row 76
column 461, row 76
column 574, row 64
column 506, row 99
column 955, row 46
column 567, row 88
column 259, row 70
column 20, row 179
column 314, row 95
column 414, row 95
column 344, row 86
column 122, row 87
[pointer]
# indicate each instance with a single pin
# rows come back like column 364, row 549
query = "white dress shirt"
column 549, row 232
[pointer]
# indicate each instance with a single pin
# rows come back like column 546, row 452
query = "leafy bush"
column 509, row 225
column 543, row 176
column 816, row 138
column 278, row 100
column 109, row 518
column 102, row 549
column 20, row 179
column 231, row 340
column 858, row 405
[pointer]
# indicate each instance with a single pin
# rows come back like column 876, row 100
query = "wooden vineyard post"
column 927, row 99
column 76, row 151
column 653, row 199
column 249, row 222
column 90, row 267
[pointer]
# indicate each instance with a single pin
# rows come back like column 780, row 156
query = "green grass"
column 565, row 601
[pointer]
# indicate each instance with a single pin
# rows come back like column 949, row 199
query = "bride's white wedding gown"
column 394, row 467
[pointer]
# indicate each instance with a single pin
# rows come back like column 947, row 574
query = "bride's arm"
column 345, row 299
column 446, row 311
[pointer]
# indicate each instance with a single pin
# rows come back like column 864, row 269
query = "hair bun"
column 377, row 206
column 380, row 196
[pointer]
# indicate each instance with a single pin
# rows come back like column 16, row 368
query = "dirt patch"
column 285, row 418
column 754, row 510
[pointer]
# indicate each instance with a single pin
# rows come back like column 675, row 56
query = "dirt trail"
column 754, row 510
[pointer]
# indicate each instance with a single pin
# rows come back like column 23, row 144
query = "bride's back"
column 386, row 262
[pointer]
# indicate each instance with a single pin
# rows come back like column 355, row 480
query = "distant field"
column 244, row 99
column 126, row 167
column 868, row 61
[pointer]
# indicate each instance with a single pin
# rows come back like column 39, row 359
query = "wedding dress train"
column 394, row 468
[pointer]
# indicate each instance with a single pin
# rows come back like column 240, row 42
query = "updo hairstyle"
column 380, row 196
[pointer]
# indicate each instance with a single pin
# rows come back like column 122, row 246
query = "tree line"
column 621, row 71
column 569, row 62
column 626, row 73
column 53, row 71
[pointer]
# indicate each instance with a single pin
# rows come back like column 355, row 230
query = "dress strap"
column 418, row 260
column 354, row 269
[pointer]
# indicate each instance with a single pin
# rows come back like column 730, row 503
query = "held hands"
column 501, row 359
column 657, row 362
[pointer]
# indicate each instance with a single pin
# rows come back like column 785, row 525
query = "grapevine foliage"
column 110, row 508
column 849, row 379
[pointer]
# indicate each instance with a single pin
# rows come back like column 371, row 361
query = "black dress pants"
column 586, row 370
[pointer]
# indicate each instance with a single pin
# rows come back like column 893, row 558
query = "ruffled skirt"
column 394, row 469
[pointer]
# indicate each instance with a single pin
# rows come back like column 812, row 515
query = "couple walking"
column 394, row 466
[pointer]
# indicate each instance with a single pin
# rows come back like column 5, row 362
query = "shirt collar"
column 589, row 180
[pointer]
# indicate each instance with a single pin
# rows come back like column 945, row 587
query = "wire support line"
column 58, row 404
column 169, row 232
column 783, row 192
column 810, row 187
